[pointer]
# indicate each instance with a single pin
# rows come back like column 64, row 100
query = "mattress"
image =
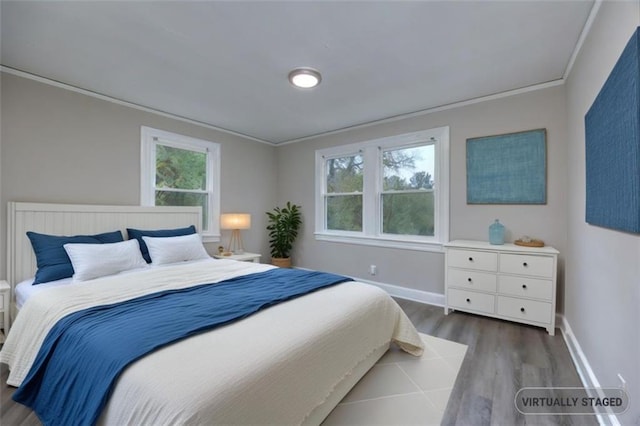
column 25, row 289
column 289, row 364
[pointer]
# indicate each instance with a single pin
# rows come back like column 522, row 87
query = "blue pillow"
column 138, row 234
column 53, row 262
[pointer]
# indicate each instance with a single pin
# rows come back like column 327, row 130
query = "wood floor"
column 502, row 358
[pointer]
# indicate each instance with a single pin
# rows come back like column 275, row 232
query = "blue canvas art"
column 612, row 136
column 507, row 169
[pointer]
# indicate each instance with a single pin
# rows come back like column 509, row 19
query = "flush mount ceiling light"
column 305, row 78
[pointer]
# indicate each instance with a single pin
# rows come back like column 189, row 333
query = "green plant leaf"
column 283, row 226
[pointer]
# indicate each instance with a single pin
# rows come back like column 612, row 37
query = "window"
column 407, row 191
column 182, row 171
column 387, row 192
column 343, row 197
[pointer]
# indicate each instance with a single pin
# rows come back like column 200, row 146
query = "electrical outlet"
column 623, row 382
column 373, row 269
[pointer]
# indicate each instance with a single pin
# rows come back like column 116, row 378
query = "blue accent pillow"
column 53, row 262
column 138, row 234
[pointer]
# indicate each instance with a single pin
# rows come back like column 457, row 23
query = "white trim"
column 382, row 241
column 420, row 296
column 371, row 151
column 583, row 35
column 419, row 113
column 428, row 111
column 587, row 376
column 149, row 137
column 117, row 101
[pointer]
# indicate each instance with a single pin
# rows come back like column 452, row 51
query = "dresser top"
column 507, row 247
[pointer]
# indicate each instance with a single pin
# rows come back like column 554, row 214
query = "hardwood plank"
column 502, row 357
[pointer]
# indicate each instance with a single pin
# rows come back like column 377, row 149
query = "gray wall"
column 602, row 289
column 61, row 146
column 64, row 147
column 425, row 270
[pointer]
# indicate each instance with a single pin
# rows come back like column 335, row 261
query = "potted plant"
column 283, row 226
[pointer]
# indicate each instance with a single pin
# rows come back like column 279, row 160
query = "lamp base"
column 235, row 243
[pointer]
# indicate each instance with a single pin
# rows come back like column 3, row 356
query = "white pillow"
column 163, row 250
column 91, row 261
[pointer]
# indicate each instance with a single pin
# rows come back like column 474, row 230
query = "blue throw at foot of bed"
column 85, row 352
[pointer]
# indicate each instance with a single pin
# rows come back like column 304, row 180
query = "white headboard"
column 69, row 219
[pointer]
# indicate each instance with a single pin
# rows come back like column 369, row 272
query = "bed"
column 288, row 364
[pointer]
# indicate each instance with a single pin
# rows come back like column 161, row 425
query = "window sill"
column 210, row 238
column 386, row 242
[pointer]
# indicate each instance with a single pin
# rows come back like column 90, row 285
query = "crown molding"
column 583, row 35
column 44, row 80
column 423, row 112
column 55, row 83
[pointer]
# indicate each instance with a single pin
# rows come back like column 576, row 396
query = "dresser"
column 502, row 281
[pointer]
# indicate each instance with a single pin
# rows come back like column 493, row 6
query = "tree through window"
column 407, row 191
column 386, row 190
column 343, row 199
column 181, row 171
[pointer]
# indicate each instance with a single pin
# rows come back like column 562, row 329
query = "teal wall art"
column 612, row 137
column 507, row 169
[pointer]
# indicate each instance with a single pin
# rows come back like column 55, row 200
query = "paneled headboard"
column 69, row 219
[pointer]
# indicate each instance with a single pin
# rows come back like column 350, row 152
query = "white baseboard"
column 420, row 296
column 585, row 372
column 587, row 376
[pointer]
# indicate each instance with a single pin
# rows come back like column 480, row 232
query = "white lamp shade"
column 235, row 221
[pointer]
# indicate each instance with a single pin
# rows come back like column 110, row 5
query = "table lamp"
column 235, row 222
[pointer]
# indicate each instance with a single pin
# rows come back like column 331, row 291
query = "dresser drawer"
column 537, row 266
column 521, row 309
column 470, row 259
column 525, row 287
column 471, row 300
column 471, row 280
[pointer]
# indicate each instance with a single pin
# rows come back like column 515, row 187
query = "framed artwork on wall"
column 612, row 146
column 508, row 169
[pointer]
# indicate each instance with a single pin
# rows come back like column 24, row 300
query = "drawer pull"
column 471, row 259
column 524, row 286
column 469, row 279
column 525, row 264
column 522, row 310
column 468, row 300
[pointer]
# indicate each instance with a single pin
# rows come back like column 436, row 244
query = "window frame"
column 326, row 194
column 150, row 138
column 371, row 151
column 381, row 191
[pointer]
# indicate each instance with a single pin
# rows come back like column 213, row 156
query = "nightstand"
column 5, row 299
column 245, row 257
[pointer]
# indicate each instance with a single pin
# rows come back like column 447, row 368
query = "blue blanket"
column 85, row 352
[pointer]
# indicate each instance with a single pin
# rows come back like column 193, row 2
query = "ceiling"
column 226, row 63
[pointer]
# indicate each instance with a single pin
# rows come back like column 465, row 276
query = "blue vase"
column 496, row 233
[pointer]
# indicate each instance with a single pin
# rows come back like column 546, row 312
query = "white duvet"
column 275, row 367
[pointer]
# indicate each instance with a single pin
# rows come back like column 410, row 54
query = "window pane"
column 408, row 168
column 344, row 212
column 344, row 174
column 408, row 214
column 176, row 198
column 180, row 168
